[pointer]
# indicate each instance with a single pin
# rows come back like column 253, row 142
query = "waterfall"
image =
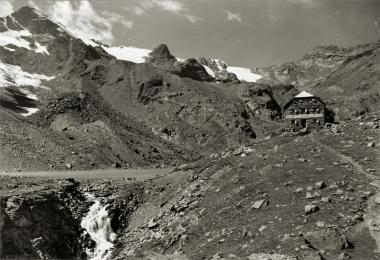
column 98, row 225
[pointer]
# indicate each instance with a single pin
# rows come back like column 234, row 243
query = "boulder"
column 327, row 239
column 309, row 209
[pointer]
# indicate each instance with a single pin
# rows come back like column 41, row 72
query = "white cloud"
column 82, row 19
column 307, row 3
column 6, row 7
column 136, row 10
column 172, row 6
column 234, row 17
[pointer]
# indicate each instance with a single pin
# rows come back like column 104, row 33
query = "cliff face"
column 44, row 224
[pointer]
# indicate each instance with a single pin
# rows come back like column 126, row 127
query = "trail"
column 138, row 174
column 372, row 217
column 345, row 158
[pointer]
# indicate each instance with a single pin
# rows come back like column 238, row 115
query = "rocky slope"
column 347, row 78
column 272, row 199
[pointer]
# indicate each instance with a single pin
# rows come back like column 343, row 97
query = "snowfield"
column 209, row 71
column 244, row 74
column 12, row 75
column 132, row 54
column 138, row 55
column 17, row 38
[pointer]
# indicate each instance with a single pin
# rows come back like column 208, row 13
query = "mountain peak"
column 27, row 13
column 161, row 55
column 35, row 21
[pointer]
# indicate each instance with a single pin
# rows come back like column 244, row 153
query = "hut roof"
column 302, row 94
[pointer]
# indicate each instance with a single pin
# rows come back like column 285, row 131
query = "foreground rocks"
column 44, row 224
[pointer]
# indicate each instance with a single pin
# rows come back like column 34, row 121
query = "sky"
column 247, row 33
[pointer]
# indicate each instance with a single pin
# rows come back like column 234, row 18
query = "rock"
column 320, row 185
column 260, row 204
column 344, row 256
column 371, row 144
column 377, row 200
column 338, row 192
column 152, row 224
column 333, row 186
column 161, row 56
column 320, row 224
column 217, row 256
column 262, row 228
column 312, row 196
column 325, row 199
column 69, row 166
column 309, row 195
column 311, row 254
column 299, row 190
column 327, row 239
column 309, row 209
column 191, row 68
column 116, row 165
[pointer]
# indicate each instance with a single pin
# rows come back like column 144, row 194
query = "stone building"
column 305, row 111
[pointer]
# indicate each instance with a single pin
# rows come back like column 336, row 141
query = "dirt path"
column 345, row 158
column 372, row 217
column 139, row 174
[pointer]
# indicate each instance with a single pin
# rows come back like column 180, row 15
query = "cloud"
column 233, row 17
column 6, row 7
column 306, row 3
column 171, row 6
column 82, row 19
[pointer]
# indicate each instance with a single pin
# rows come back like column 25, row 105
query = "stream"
column 98, row 226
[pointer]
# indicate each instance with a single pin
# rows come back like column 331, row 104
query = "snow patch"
column 12, row 75
column 28, row 94
column 30, row 111
column 9, row 49
column 17, row 38
column 41, row 49
column 209, row 71
column 132, row 54
column 244, row 74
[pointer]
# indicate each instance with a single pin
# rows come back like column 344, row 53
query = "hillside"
column 57, row 84
column 287, row 197
column 347, row 78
